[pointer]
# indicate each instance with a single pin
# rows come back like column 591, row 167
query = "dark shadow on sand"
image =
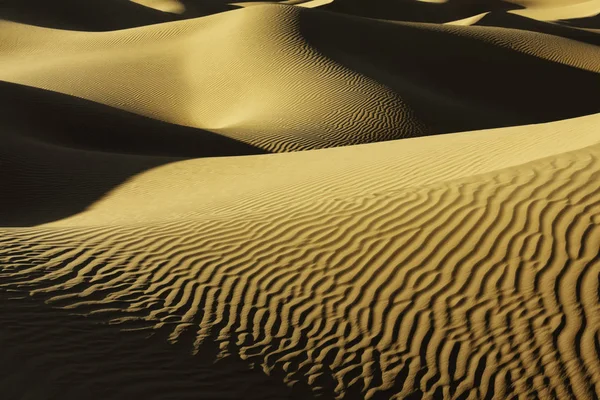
column 592, row 22
column 88, row 15
column 454, row 82
column 418, row 11
column 49, row 353
column 513, row 21
column 102, row 15
column 59, row 153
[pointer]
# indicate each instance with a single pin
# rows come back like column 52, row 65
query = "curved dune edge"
column 149, row 249
column 265, row 183
column 284, row 78
column 559, row 10
column 372, row 277
column 170, row 6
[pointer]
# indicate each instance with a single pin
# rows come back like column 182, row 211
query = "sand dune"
column 512, row 21
column 302, row 78
column 464, row 266
column 559, row 9
column 150, row 248
column 447, row 10
column 93, row 15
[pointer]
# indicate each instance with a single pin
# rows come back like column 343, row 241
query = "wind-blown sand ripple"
column 150, row 249
column 477, row 284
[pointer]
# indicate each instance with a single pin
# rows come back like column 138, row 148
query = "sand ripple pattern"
column 482, row 287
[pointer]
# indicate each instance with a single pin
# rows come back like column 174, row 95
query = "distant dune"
column 429, row 229
column 286, row 78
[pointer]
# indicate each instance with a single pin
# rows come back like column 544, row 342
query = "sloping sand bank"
column 439, row 237
column 458, row 265
column 287, row 78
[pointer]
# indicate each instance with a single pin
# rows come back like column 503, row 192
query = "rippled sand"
column 438, row 236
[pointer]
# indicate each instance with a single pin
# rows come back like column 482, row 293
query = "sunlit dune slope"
column 286, row 181
column 150, row 248
column 558, row 10
column 462, row 266
column 286, row 78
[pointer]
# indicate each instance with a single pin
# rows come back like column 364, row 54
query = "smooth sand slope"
column 149, row 249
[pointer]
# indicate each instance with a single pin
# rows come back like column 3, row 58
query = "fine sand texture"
column 386, row 199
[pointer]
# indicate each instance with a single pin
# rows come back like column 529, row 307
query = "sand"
column 320, row 199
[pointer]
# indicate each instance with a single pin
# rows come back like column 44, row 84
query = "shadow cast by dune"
column 514, row 21
column 202, row 8
column 89, row 15
column 74, row 151
column 102, row 15
column 465, row 84
column 75, row 352
column 417, row 11
column 49, row 353
column 462, row 266
column 592, row 22
column 77, row 123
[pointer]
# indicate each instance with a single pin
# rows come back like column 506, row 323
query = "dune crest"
column 371, row 289
column 170, row 6
column 284, row 78
column 429, row 227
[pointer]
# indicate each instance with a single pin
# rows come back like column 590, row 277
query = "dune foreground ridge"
column 340, row 199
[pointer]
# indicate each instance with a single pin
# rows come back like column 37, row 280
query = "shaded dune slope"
column 466, row 267
column 78, row 357
column 441, row 11
column 149, row 250
column 94, row 126
column 513, row 21
column 105, row 15
column 73, row 151
column 42, row 182
column 91, row 15
column 419, row 11
column 284, row 78
column 586, row 23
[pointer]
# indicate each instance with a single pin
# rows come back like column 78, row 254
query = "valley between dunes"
column 303, row 199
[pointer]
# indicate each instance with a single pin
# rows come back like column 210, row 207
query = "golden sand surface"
column 306, row 199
